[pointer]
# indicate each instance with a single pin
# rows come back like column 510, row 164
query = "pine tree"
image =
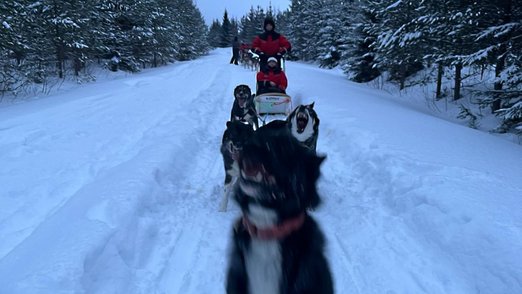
column 214, row 34
column 360, row 62
column 193, row 35
column 398, row 40
column 226, row 31
column 304, row 28
column 501, row 43
column 335, row 31
column 251, row 25
column 234, row 29
column 14, row 20
column 114, row 34
column 457, row 25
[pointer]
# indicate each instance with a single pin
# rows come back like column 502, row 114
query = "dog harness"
column 278, row 231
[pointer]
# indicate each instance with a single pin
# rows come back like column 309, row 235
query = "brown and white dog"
column 243, row 109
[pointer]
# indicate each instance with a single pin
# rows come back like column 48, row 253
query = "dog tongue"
column 301, row 124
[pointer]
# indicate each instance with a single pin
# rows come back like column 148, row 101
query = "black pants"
column 235, row 56
column 261, row 89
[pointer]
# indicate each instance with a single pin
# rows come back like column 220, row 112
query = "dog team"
column 271, row 173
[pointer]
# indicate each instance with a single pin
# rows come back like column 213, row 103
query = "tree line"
column 46, row 39
column 457, row 39
column 222, row 33
column 396, row 39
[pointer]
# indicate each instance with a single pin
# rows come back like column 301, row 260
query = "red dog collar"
column 278, row 231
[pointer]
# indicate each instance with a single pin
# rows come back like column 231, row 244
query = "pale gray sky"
column 214, row 9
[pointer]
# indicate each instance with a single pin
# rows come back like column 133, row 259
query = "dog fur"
column 251, row 61
column 304, row 125
column 243, row 108
column 232, row 142
column 277, row 184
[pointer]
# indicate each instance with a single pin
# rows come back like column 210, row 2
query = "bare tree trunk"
column 77, row 66
column 60, row 50
column 458, row 81
column 440, row 72
column 496, row 105
column 402, row 76
column 60, row 63
column 59, row 67
column 501, row 57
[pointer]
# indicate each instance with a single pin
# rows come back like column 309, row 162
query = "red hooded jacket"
column 270, row 42
column 275, row 75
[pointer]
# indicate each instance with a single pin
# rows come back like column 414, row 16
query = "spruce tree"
column 335, row 31
column 397, row 41
column 226, row 31
column 214, row 34
column 14, row 46
column 360, row 62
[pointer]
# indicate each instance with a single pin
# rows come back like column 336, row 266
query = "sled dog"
column 243, row 108
column 304, row 125
column 277, row 247
column 233, row 140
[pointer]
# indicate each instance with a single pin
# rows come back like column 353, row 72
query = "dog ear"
column 319, row 160
column 229, row 123
column 312, row 105
column 315, row 165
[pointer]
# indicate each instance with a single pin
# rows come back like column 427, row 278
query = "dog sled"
column 272, row 106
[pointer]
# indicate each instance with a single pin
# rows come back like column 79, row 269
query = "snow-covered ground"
column 114, row 187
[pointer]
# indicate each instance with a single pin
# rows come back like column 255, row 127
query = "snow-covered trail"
column 114, row 188
column 128, row 178
column 410, row 207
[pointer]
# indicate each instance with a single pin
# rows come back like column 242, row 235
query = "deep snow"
column 114, row 187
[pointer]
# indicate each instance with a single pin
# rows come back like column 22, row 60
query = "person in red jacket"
column 271, row 79
column 270, row 43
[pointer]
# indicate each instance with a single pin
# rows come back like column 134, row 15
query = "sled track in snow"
column 190, row 253
column 164, row 249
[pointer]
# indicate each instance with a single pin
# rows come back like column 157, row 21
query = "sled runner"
column 271, row 106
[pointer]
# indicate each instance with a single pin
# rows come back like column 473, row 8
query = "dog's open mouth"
column 241, row 101
column 253, row 170
column 301, row 121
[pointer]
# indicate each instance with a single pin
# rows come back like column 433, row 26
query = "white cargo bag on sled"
column 273, row 103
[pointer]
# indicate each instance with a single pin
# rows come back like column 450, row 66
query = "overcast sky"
column 214, row 9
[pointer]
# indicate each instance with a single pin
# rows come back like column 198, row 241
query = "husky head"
column 303, row 120
column 277, row 172
column 235, row 136
column 243, row 96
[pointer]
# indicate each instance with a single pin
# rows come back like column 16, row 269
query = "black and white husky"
column 277, row 247
column 243, row 108
column 304, row 125
column 234, row 137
